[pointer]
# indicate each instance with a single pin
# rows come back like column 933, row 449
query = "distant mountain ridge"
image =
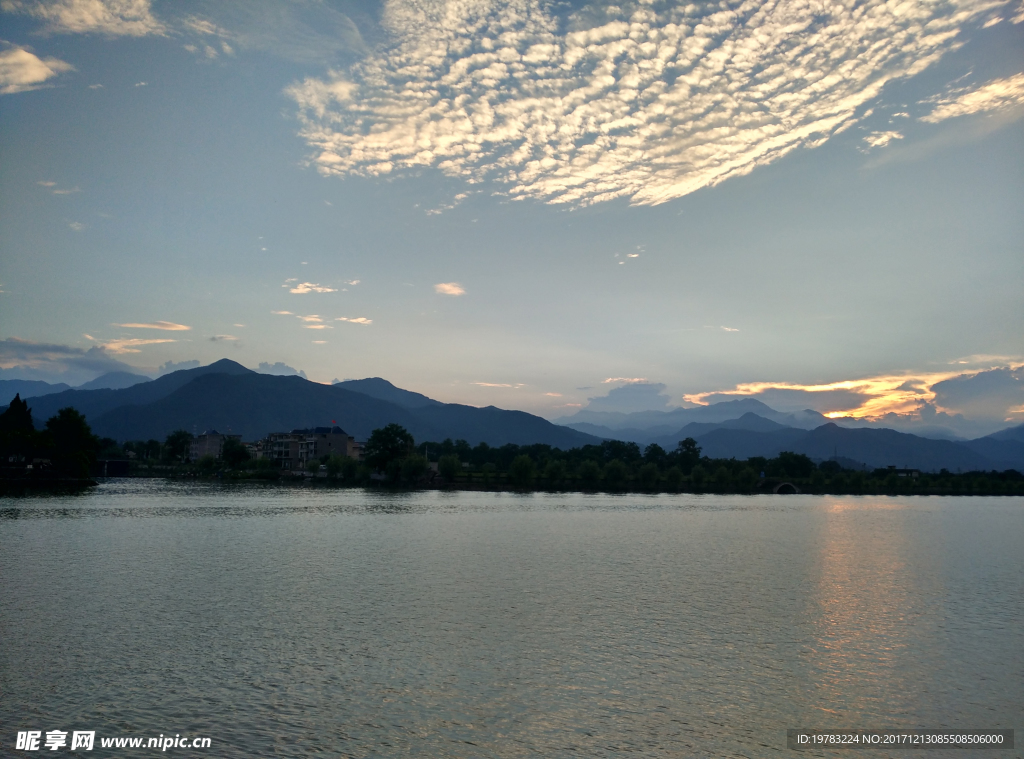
column 754, row 435
column 645, row 426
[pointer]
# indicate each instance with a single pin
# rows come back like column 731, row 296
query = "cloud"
column 638, row 395
column 449, row 288
column 979, row 395
column 114, row 18
column 170, row 366
column 355, row 320
column 22, row 71
column 881, row 139
column 223, row 338
column 283, row 313
column 637, row 100
column 498, row 384
column 310, row 287
column 129, row 344
column 617, row 379
column 68, row 191
column 306, row 32
column 280, row 369
column 997, row 394
column 448, row 206
column 554, row 395
column 311, row 318
column 996, row 95
column 316, row 326
column 729, row 329
column 24, row 359
column 77, row 226
column 168, row 326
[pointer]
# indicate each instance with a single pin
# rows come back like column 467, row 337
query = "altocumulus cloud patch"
column 651, row 101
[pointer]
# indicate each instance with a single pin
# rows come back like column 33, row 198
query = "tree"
column 522, row 471
column 489, row 469
column 176, row 446
column 698, row 476
column 234, row 453
column 17, row 417
column 687, row 454
column 414, row 467
column 18, row 436
column 674, row 477
column 789, row 464
column 746, row 480
column 386, row 445
column 554, row 472
column 590, row 473
column 649, row 475
column 73, row 444
column 655, row 454
column 449, row 466
column 614, row 474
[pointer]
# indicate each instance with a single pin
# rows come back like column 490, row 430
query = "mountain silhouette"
column 230, row 398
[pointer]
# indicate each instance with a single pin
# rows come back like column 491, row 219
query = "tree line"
column 64, row 449
column 391, row 457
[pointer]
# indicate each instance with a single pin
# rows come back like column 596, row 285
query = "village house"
column 210, row 443
column 292, row 450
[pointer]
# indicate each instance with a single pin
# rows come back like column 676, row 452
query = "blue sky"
column 513, row 203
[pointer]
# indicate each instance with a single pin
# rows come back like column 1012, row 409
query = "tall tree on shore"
column 388, row 444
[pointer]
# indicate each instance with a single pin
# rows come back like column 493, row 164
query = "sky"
column 522, row 203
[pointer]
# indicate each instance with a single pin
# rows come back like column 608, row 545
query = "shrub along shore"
column 392, row 459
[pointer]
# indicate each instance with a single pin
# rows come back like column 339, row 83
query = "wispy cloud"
column 283, row 313
column 169, row 326
column 77, row 226
column 114, row 18
column 996, row 95
column 355, row 320
column 316, row 326
column 498, row 384
column 223, row 338
column 729, row 329
column 22, row 71
column 645, row 101
column 310, row 287
column 448, row 206
column 127, row 345
column 620, row 379
column 881, row 139
column 311, row 318
column 449, row 288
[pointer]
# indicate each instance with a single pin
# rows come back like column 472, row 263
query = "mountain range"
column 228, row 397
column 231, row 398
column 36, row 388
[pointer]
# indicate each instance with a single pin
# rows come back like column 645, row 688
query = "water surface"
column 293, row 622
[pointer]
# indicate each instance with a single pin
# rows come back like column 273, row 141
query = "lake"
column 290, row 621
